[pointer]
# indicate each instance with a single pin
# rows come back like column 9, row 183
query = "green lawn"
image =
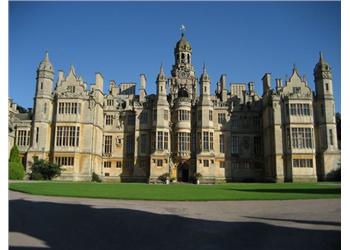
column 183, row 192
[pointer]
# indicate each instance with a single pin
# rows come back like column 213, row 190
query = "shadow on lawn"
column 73, row 226
column 291, row 190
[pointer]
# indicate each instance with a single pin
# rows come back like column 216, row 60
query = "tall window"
column 108, row 144
column 65, row 161
column 211, row 141
column 45, row 108
column 183, row 115
column 109, row 119
column 235, row 144
column 210, row 115
column 257, row 145
column 331, row 137
column 256, row 122
column 37, row 135
column 69, row 108
column 23, row 137
column 159, row 163
column 205, row 141
column 110, row 102
column 67, row 136
column 302, row 163
column 222, row 144
column 221, row 118
column 166, row 140
column 107, row 164
column 300, row 109
column 183, row 141
column 235, row 122
column 130, row 144
column 302, row 138
column 306, row 109
column 160, row 140
column 166, row 115
column 143, row 143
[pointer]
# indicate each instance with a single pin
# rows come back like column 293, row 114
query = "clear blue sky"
column 122, row 40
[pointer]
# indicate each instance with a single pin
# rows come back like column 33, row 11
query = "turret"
column 205, row 84
column 161, row 84
column 323, row 78
column 45, row 76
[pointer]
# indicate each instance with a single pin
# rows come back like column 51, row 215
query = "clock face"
column 183, row 74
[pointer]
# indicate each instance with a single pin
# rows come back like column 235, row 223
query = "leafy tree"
column 95, row 177
column 45, row 170
column 16, row 169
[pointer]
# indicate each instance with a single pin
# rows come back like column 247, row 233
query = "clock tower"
column 183, row 82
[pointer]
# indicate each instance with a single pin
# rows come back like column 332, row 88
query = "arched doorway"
column 182, row 172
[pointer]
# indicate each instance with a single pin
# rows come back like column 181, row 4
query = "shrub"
column 44, row 170
column 36, row 176
column 14, row 155
column 164, row 177
column 16, row 171
column 197, row 176
column 95, row 177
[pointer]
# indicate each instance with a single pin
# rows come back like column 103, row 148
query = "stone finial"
column 46, row 58
column 321, row 57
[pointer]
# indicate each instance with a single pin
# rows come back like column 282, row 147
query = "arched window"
column 182, row 93
column 188, row 58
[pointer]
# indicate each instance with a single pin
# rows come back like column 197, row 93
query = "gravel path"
column 81, row 223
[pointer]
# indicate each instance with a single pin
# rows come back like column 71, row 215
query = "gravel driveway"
column 79, row 223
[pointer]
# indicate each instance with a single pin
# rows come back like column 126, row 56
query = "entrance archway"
column 182, row 172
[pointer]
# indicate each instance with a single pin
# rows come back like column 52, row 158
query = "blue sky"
column 123, row 39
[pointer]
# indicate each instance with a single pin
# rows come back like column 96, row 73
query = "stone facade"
column 234, row 134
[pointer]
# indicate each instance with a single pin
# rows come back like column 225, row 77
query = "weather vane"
column 182, row 28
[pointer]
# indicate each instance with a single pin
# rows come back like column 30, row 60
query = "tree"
column 45, row 170
column 16, row 169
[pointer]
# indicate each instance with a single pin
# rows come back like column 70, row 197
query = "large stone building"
column 234, row 134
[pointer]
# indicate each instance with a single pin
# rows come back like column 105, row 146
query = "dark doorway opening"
column 185, row 175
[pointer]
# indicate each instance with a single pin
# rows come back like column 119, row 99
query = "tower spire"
column 161, row 71
column 46, row 58
column 321, row 57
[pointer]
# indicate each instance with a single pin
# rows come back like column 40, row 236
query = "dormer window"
column 296, row 90
column 110, row 102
